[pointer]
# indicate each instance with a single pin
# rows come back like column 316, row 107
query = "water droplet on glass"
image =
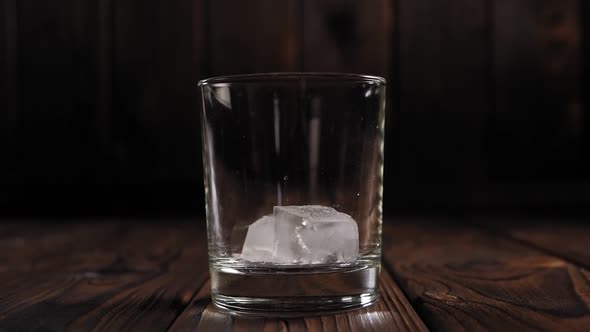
column 285, row 178
column 358, row 194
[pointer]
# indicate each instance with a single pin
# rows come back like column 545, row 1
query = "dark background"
column 488, row 108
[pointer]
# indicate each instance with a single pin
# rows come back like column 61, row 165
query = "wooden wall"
column 487, row 109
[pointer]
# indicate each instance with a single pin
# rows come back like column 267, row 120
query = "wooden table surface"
column 152, row 276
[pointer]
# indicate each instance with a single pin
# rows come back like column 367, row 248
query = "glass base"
column 294, row 290
column 293, row 306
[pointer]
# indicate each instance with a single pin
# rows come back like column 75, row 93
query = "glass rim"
column 291, row 76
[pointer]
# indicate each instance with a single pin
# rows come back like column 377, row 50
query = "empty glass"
column 293, row 168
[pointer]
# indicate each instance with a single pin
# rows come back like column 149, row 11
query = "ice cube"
column 258, row 246
column 313, row 234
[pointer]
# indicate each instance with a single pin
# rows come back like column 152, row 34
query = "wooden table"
column 152, row 276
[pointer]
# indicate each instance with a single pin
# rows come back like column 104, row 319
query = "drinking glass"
column 293, row 167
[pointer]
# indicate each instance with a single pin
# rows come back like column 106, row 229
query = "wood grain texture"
column 442, row 105
column 144, row 276
column 254, row 37
column 461, row 278
column 570, row 240
column 98, row 96
column 190, row 317
column 391, row 312
column 99, row 277
column 105, row 276
column 538, row 123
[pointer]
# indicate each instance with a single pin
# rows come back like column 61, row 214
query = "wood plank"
column 57, row 91
column 57, row 138
column 585, row 81
column 103, row 115
column 8, row 93
column 37, row 248
column 181, row 60
column 353, row 37
column 190, row 317
column 254, row 36
column 568, row 239
column 348, row 36
column 442, row 106
column 538, row 124
column 137, row 276
column 391, row 312
column 159, row 55
column 459, row 277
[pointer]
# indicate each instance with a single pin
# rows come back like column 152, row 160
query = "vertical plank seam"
column 393, row 111
column 207, row 54
column 392, row 307
column 10, row 76
column 396, row 280
column 397, row 300
column 119, row 144
column 492, row 108
column 301, row 30
column 189, row 303
column 106, row 12
column 584, row 53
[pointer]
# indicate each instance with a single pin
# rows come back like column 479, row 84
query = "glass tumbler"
column 293, row 167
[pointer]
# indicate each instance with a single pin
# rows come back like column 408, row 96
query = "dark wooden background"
column 488, row 107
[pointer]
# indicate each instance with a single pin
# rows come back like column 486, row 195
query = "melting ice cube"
column 309, row 234
column 313, row 234
column 259, row 240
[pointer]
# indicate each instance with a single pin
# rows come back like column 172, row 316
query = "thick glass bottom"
column 288, row 290
column 293, row 306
